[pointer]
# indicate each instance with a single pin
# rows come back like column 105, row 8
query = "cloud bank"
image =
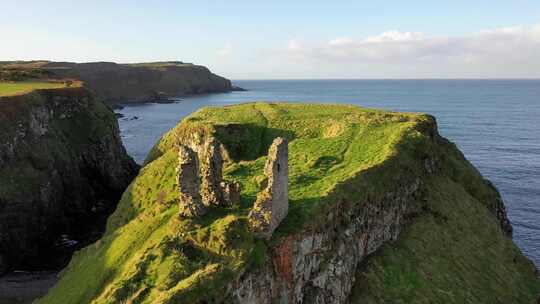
column 500, row 53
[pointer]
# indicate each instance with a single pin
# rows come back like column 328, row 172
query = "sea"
column 496, row 123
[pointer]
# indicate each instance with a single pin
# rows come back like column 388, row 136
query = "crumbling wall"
column 200, row 178
column 272, row 203
column 189, row 184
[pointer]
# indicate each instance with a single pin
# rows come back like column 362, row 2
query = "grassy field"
column 336, row 153
column 18, row 88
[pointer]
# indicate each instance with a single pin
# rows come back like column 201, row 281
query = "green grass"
column 19, row 88
column 454, row 253
column 336, row 153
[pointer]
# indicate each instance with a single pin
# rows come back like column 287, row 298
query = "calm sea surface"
column 496, row 123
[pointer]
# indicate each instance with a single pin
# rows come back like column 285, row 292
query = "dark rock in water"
column 119, row 115
column 238, row 89
column 62, row 169
column 165, row 101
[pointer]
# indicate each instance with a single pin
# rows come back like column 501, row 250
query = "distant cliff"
column 337, row 204
column 62, row 171
column 127, row 83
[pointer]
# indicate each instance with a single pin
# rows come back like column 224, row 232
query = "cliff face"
column 62, row 171
column 380, row 209
column 132, row 82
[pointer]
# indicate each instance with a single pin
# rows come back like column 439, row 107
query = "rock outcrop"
column 62, row 170
column 272, row 203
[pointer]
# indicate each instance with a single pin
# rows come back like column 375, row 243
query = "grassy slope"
column 19, row 88
column 148, row 255
column 453, row 254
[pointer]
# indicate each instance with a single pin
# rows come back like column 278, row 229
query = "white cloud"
column 341, row 41
column 395, row 36
column 502, row 52
column 225, row 51
column 294, row 45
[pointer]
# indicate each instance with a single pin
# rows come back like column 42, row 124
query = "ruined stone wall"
column 200, row 178
column 272, row 203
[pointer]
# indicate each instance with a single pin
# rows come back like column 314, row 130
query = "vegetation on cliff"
column 338, row 155
column 62, row 170
column 123, row 83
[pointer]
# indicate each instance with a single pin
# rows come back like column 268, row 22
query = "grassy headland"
column 337, row 153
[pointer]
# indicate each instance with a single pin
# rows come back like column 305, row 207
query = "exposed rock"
column 62, row 169
column 272, row 203
column 318, row 266
column 499, row 209
column 238, row 89
column 189, row 184
column 211, row 172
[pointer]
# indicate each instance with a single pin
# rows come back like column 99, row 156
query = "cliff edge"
column 126, row 83
column 62, row 170
column 373, row 207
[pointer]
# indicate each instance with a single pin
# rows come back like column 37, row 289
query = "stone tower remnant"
column 189, row 184
column 211, row 172
column 272, row 204
column 200, row 178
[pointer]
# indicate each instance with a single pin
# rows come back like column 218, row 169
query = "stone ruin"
column 272, row 204
column 201, row 184
column 211, row 172
column 200, row 179
column 189, row 184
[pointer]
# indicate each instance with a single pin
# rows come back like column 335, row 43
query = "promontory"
column 303, row 203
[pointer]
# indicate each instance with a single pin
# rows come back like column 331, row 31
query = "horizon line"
column 323, row 79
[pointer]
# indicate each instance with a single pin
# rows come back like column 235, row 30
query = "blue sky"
column 286, row 39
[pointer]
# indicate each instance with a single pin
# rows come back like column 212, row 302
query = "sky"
column 285, row 39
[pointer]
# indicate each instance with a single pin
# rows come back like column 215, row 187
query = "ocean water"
column 496, row 123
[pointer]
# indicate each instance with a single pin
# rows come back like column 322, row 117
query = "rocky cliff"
column 62, row 171
column 127, row 83
column 379, row 208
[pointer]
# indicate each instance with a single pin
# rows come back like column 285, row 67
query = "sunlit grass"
column 337, row 153
column 19, row 88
